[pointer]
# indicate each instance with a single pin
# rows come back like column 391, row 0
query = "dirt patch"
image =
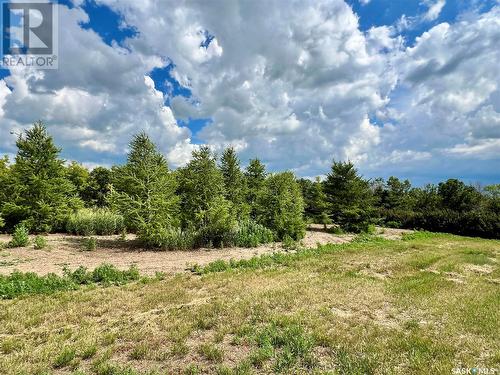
column 67, row 250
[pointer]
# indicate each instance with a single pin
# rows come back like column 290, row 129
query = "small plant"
column 20, row 238
column 40, row 243
column 64, row 358
column 90, row 244
column 336, row 230
column 123, row 234
column 211, row 352
column 290, row 244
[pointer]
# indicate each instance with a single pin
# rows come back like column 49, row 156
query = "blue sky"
column 392, row 85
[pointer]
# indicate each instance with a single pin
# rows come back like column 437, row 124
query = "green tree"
column 203, row 204
column 40, row 194
column 98, row 187
column 79, row 176
column 255, row 176
column 397, row 193
column 349, row 197
column 145, row 189
column 280, row 206
column 234, row 183
column 457, row 196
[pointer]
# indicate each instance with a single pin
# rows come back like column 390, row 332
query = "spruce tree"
column 203, row 204
column 280, row 206
column 349, row 197
column 255, row 175
column 234, row 182
column 145, row 189
column 41, row 195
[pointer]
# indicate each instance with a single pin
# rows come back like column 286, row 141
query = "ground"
column 66, row 250
column 429, row 303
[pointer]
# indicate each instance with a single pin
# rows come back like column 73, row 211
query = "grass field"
column 427, row 304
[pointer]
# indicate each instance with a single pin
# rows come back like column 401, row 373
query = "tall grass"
column 87, row 222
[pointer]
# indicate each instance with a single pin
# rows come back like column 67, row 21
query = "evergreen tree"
column 457, row 196
column 98, row 187
column 203, row 204
column 280, row 206
column 255, row 175
column 349, row 197
column 40, row 194
column 145, row 189
column 234, row 182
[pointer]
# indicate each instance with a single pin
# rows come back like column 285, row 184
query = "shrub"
column 20, row 237
column 156, row 236
column 252, row 234
column 280, row 206
column 90, row 244
column 218, row 225
column 100, row 221
column 40, row 242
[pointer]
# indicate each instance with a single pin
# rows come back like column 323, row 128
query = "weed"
column 64, row 358
column 90, row 244
column 40, row 243
column 211, row 352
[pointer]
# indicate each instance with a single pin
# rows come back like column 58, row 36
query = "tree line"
column 213, row 201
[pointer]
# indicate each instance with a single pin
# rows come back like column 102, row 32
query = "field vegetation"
column 428, row 303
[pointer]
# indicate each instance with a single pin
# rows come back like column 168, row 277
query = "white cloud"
column 434, row 9
column 295, row 85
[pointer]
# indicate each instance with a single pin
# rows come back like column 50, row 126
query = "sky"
column 406, row 88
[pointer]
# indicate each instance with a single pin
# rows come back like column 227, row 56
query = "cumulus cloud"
column 296, row 85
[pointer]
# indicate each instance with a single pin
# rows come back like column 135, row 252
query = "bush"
column 90, row 244
column 18, row 283
column 280, row 206
column 40, row 242
column 480, row 223
column 156, row 236
column 218, row 225
column 252, row 234
column 100, row 221
column 20, row 237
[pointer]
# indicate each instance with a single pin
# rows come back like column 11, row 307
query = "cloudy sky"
column 407, row 88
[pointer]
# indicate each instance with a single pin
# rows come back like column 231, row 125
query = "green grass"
column 423, row 305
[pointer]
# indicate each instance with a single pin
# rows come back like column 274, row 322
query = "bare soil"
column 68, row 250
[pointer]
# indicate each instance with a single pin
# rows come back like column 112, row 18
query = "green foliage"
column 350, row 198
column 252, row 234
column 255, row 176
column 217, row 224
column 89, row 244
column 20, row 238
column 19, row 284
column 40, row 243
column 234, row 183
column 145, row 189
column 280, row 206
column 457, row 196
column 78, row 175
column 98, row 187
column 167, row 238
column 315, row 201
column 64, row 358
column 39, row 192
column 96, row 221
column 205, row 210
